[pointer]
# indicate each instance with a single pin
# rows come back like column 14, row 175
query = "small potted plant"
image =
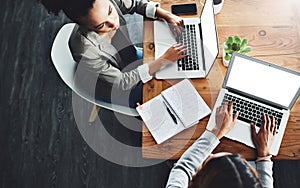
column 234, row 44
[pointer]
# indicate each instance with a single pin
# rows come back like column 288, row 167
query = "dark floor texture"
column 40, row 144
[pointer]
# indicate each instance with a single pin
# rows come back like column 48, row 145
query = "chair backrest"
column 66, row 66
column 61, row 55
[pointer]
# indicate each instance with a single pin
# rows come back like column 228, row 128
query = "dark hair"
column 74, row 9
column 230, row 171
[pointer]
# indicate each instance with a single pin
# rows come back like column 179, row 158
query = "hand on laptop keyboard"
column 175, row 52
column 189, row 39
column 224, row 119
column 252, row 112
column 264, row 138
column 176, row 25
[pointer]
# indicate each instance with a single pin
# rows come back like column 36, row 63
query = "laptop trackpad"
column 241, row 132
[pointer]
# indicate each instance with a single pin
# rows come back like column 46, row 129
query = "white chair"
column 66, row 67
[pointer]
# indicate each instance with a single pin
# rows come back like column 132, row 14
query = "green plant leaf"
column 237, row 39
column 229, row 40
column 227, row 57
column 244, row 43
column 238, row 47
column 229, row 46
column 246, row 50
column 224, row 46
column 229, row 51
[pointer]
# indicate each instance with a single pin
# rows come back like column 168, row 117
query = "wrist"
column 264, row 158
column 156, row 65
column 161, row 13
column 217, row 133
column 162, row 61
column 262, row 153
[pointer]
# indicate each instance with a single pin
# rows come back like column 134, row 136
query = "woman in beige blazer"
column 107, row 62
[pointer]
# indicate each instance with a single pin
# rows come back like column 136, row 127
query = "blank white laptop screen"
column 209, row 35
column 263, row 81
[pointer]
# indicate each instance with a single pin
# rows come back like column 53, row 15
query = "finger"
column 181, row 24
column 218, row 110
column 264, row 121
column 180, row 56
column 236, row 115
column 181, row 47
column 226, row 107
column 230, row 108
column 268, row 124
column 176, row 30
column 222, row 107
column 182, row 52
column 273, row 126
column 176, row 45
column 253, row 132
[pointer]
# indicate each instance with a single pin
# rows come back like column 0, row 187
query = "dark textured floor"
column 40, row 144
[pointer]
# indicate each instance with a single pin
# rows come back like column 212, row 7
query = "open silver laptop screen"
column 263, row 80
column 209, row 35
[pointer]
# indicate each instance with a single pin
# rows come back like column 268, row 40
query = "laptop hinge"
column 202, row 49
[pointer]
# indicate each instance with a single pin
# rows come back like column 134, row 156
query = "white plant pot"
column 218, row 7
column 225, row 62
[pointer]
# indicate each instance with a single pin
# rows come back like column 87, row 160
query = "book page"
column 157, row 119
column 186, row 102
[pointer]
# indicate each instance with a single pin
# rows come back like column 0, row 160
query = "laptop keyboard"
column 251, row 112
column 188, row 39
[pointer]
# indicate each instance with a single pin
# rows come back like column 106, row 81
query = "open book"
column 175, row 109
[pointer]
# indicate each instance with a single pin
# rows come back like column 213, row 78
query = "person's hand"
column 175, row 52
column 176, row 25
column 264, row 138
column 175, row 22
column 224, row 119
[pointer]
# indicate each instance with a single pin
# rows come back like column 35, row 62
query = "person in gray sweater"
column 198, row 168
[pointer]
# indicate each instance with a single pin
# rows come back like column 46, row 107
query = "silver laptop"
column 199, row 36
column 257, row 87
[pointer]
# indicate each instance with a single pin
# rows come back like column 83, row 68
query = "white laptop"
column 257, row 87
column 199, row 36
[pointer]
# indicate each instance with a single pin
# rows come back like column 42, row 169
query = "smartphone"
column 180, row 9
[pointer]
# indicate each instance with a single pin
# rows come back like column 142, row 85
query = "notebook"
column 175, row 109
column 257, row 87
column 200, row 37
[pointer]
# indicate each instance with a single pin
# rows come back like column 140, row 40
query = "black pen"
column 171, row 114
